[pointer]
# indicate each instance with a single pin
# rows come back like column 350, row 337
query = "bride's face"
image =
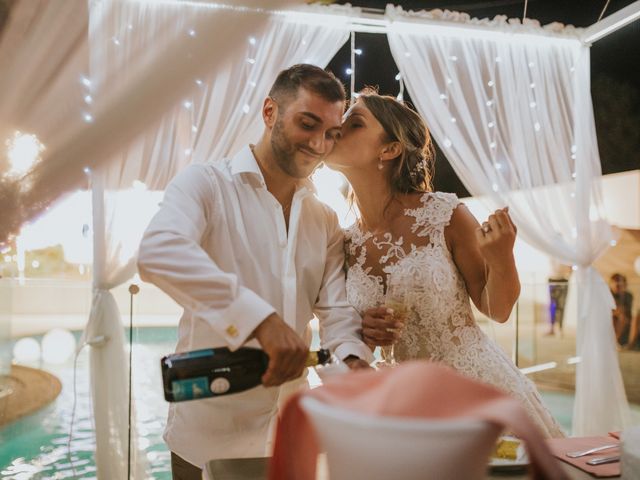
column 361, row 141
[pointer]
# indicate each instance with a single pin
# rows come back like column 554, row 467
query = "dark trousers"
column 183, row 470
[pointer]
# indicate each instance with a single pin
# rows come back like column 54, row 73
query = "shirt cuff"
column 242, row 317
column 360, row 350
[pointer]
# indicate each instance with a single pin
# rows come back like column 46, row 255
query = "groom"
column 249, row 252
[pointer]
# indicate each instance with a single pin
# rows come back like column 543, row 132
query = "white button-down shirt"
column 219, row 246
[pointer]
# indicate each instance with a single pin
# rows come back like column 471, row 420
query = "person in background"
column 558, row 289
column 624, row 306
column 249, row 252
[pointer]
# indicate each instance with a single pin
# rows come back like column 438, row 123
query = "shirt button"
column 232, row 331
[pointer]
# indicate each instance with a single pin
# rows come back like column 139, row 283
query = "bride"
column 405, row 232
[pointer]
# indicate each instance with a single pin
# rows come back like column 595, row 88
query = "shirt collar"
column 245, row 162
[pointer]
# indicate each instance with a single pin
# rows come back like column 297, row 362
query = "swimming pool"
column 37, row 446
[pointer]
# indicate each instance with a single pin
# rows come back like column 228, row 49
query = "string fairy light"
column 400, row 96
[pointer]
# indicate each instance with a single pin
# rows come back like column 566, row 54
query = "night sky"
column 615, row 71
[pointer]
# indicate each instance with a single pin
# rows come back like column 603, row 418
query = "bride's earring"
column 380, row 165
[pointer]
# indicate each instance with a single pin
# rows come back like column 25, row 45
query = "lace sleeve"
column 435, row 213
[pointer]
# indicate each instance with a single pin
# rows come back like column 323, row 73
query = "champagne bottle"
column 219, row 371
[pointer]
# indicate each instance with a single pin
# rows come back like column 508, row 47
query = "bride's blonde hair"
column 411, row 171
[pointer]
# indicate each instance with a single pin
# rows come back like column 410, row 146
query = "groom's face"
column 305, row 131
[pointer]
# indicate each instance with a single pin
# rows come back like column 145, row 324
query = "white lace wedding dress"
column 440, row 324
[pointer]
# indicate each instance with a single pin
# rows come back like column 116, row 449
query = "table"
column 256, row 468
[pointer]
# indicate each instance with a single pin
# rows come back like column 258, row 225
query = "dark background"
column 615, row 71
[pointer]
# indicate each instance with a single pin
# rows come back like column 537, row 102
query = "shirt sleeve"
column 171, row 257
column 340, row 323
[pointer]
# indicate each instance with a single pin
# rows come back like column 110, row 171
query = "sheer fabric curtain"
column 220, row 112
column 216, row 116
column 44, row 59
column 43, row 51
column 510, row 106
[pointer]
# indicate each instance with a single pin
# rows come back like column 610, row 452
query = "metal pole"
column 133, row 290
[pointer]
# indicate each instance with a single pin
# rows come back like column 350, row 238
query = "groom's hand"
column 287, row 352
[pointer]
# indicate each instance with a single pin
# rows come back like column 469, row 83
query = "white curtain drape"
column 510, row 106
column 44, row 59
column 43, row 49
column 221, row 111
column 219, row 114
column 109, row 365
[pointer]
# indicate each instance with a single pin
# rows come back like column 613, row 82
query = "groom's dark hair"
column 315, row 79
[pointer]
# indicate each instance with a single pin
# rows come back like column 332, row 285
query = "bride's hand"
column 496, row 237
column 379, row 326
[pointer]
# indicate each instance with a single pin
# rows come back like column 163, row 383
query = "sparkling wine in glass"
column 396, row 299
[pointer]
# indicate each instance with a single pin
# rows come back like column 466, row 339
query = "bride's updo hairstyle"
column 411, row 171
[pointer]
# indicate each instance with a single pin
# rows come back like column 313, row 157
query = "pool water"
column 37, row 446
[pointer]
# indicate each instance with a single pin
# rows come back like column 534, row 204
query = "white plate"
column 505, row 464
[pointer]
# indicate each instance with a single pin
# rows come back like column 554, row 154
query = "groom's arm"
column 340, row 323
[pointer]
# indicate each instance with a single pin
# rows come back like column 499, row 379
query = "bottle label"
column 190, row 389
column 207, row 352
column 220, row 385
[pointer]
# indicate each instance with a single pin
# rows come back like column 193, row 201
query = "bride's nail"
column 390, row 311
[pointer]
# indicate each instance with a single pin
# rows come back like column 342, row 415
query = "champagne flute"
column 396, row 299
